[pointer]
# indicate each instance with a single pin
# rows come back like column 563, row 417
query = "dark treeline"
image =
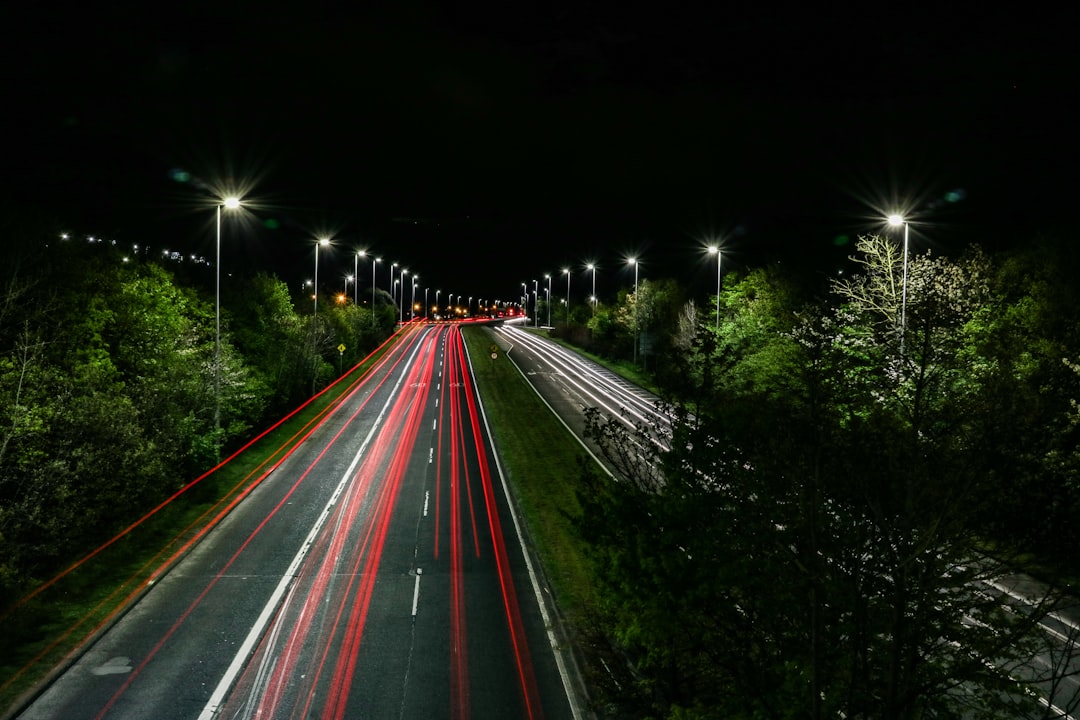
column 853, row 473
column 109, row 399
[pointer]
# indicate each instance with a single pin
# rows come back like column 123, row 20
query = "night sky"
column 482, row 146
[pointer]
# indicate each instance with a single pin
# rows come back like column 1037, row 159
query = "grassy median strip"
column 542, row 461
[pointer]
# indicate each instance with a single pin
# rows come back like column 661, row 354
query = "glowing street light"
column 592, row 298
column 321, row 242
column 349, row 279
column 715, row 250
column 229, row 203
column 412, row 309
column 401, row 299
column 633, row 261
column 548, row 276
column 566, row 271
column 897, row 220
column 392, row 295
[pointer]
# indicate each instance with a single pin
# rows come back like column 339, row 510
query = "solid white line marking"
column 416, row 591
column 210, row 710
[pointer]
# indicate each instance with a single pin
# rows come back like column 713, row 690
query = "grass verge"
column 541, row 459
column 41, row 633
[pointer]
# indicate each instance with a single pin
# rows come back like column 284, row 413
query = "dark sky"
column 484, row 145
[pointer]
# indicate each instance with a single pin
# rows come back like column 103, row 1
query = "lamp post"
column 438, row 310
column 393, row 296
column 401, row 298
column 567, row 272
column 229, row 203
column 412, row 300
column 525, row 301
column 322, row 242
column 592, row 266
column 896, row 220
column 427, row 308
column 548, row 297
column 349, row 279
column 634, row 262
column 536, row 307
column 715, row 249
column 356, row 274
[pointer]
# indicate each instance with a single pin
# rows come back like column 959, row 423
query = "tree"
column 813, row 548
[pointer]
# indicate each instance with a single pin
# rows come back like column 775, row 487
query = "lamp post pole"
column 373, row 261
column 315, row 313
column 401, row 299
column 230, row 203
column 716, row 249
column 635, row 264
column 412, row 301
column 592, row 266
column 548, row 297
column 896, row 220
column 567, row 271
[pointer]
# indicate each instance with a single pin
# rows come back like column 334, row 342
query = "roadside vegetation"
column 853, row 467
column 108, row 411
column 854, row 474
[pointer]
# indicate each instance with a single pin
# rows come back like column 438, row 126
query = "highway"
column 570, row 383
column 377, row 572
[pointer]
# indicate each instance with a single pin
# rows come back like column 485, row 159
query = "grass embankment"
column 54, row 621
column 541, row 460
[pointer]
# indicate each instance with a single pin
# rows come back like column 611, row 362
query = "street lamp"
column 548, row 297
column 392, row 295
column 427, row 308
column 536, row 308
column 592, row 266
column 567, row 272
column 356, row 274
column 229, row 203
column 634, row 262
column 412, row 301
column 715, row 250
column 896, row 220
column 322, row 242
column 401, row 298
column 373, row 261
column 349, row 279
column 438, row 310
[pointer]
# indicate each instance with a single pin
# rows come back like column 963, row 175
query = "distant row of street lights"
column 895, row 220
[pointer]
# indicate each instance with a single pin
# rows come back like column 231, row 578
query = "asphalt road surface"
column 377, row 572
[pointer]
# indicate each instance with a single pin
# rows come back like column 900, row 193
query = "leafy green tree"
column 807, row 544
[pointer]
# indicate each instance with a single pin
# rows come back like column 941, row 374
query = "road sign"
column 341, row 348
